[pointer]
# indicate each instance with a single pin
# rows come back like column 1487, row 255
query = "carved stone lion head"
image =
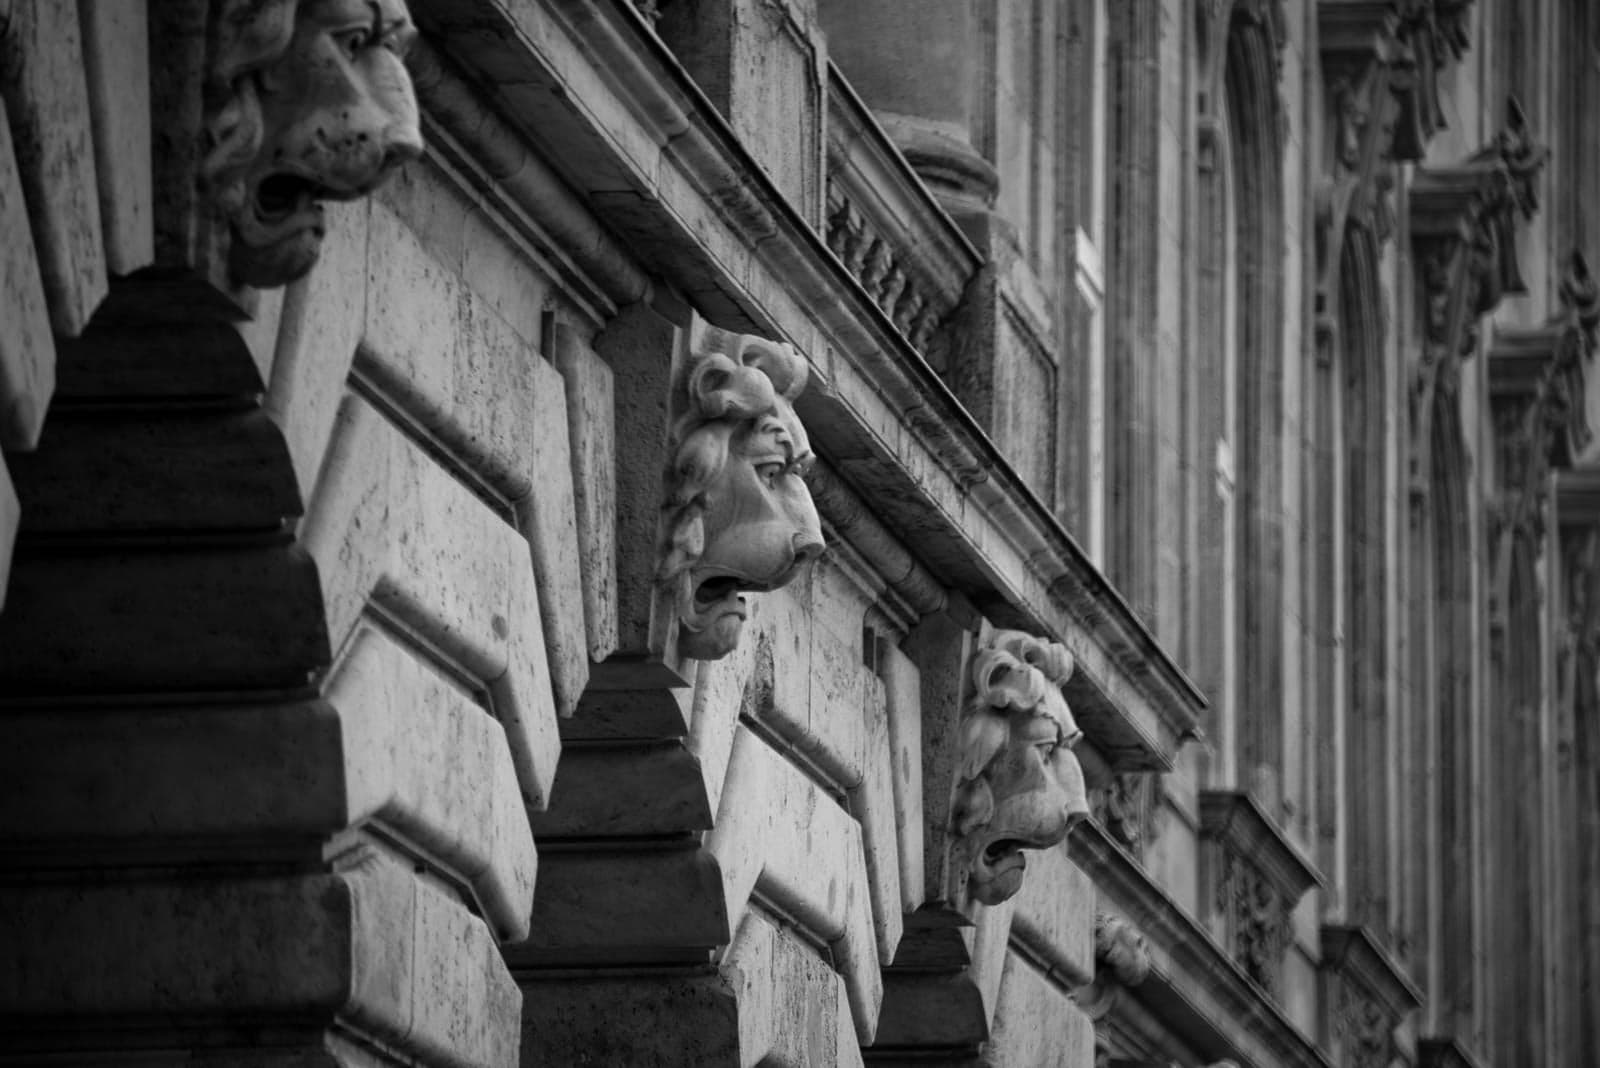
column 1018, row 786
column 306, row 101
column 738, row 517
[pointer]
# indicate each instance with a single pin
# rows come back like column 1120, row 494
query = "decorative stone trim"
column 1017, row 784
column 1366, row 996
column 1257, row 877
column 886, row 228
column 1126, row 808
column 1434, row 33
column 1463, row 233
column 283, row 130
column 1537, row 393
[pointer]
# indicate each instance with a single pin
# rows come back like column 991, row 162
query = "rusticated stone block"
column 425, row 761
column 394, row 533
column 640, row 788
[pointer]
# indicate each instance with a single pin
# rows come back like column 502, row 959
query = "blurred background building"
column 1241, row 347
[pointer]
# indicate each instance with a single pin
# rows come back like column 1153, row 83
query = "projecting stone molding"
column 306, row 102
column 737, row 517
column 1257, row 878
column 1018, row 785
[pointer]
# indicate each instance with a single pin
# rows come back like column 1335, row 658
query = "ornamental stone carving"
column 738, row 517
column 306, row 101
column 1018, row 785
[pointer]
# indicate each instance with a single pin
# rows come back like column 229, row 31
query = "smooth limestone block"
column 319, row 329
column 394, row 533
column 116, row 61
column 42, row 81
column 1055, row 913
column 27, row 351
column 589, row 431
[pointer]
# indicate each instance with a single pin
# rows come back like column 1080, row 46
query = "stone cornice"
column 1193, row 984
column 1355, row 956
column 1235, row 820
column 642, row 146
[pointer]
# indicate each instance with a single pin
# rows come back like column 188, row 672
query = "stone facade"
column 799, row 532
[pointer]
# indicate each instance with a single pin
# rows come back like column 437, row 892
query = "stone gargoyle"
column 738, row 517
column 306, row 101
column 1017, row 783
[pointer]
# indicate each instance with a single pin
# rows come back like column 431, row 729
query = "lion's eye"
column 353, row 41
column 769, row 472
column 1047, row 749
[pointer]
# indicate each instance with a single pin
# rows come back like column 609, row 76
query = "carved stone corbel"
column 1537, row 394
column 1365, row 995
column 1463, row 233
column 1434, row 33
column 1360, row 51
column 1017, row 784
column 305, row 101
column 737, row 517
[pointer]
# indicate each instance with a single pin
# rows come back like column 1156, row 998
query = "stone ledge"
column 1193, row 983
column 663, row 167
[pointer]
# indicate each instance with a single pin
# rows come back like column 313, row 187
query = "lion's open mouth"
column 1002, row 847
column 720, row 588
column 283, row 194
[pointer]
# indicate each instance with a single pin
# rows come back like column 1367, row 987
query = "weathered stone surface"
column 1037, row 1022
column 394, row 534
column 652, row 901
column 116, row 62
column 192, row 469
column 590, row 433
column 161, row 620
column 644, row 788
column 374, row 947
column 27, row 352
column 604, row 1020
column 100, row 785
column 425, row 761
column 778, row 833
column 793, row 1012
column 42, row 81
column 903, row 696
column 320, row 326
column 1055, row 916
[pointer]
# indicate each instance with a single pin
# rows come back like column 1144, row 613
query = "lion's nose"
column 807, row 545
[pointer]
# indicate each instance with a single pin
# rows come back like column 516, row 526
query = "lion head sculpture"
column 738, row 517
column 1017, row 784
column 306, row 101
